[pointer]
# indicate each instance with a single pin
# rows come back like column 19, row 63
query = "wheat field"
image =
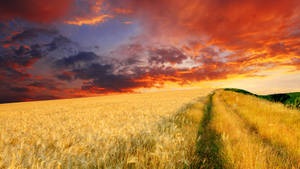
column 255, row 133
column 150, row 130
column 170, row 129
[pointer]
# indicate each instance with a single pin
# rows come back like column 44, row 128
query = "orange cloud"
column 127, row 22
column 249, row 36
column 122, row 11
column 89, row 21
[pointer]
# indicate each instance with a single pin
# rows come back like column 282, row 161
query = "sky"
column 54, row 49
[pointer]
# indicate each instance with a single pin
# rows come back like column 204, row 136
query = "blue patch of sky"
column 106, row 36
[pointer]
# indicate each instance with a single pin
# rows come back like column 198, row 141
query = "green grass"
column 288, row 99
column 208, row 143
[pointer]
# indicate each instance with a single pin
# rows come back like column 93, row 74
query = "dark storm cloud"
column 101, row 76
column 19, row 89
column 14, row 61
column 168, row 55
column 30, row 88
column 59, row 42
column 44, row 84
column 21, row 56
column 81, row 57
column 28, row 47
column 65, row 76
column 14, row 93
column 21, row 97
column 12, row 98
column 32, row 33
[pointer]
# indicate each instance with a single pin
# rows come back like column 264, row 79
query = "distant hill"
column 289, row 99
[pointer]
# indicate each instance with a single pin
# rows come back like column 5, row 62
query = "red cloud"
column 41, row 11
column 231, row 21
column 256, row 32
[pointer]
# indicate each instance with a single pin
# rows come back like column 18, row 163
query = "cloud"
column 122, row 11
column 182, row 41
column 89, row 21
column 66, row 76
column 19, row 89
column 170, row 55
column 18, row 66
column 14, row 90
column 101, row 77
column 44, row 83
column 81, row 57
column 20, row 57
column 83, row 12
column 108, row 82
column 32, row 33
column 249, row 26
column 41, row 11
column 59, row 42
column 89, row 12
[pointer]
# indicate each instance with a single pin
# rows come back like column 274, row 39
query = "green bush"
column 289, row 99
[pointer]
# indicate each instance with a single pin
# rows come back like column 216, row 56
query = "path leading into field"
column 208, row 142
column 229, row 138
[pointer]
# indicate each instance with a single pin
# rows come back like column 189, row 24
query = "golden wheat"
column 242, row 147
column 121, row 131
column 257, row 133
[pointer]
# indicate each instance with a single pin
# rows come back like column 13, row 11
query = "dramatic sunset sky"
column 73, row 48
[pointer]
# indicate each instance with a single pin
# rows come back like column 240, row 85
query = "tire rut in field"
column 208, row 143
column 278, row 149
